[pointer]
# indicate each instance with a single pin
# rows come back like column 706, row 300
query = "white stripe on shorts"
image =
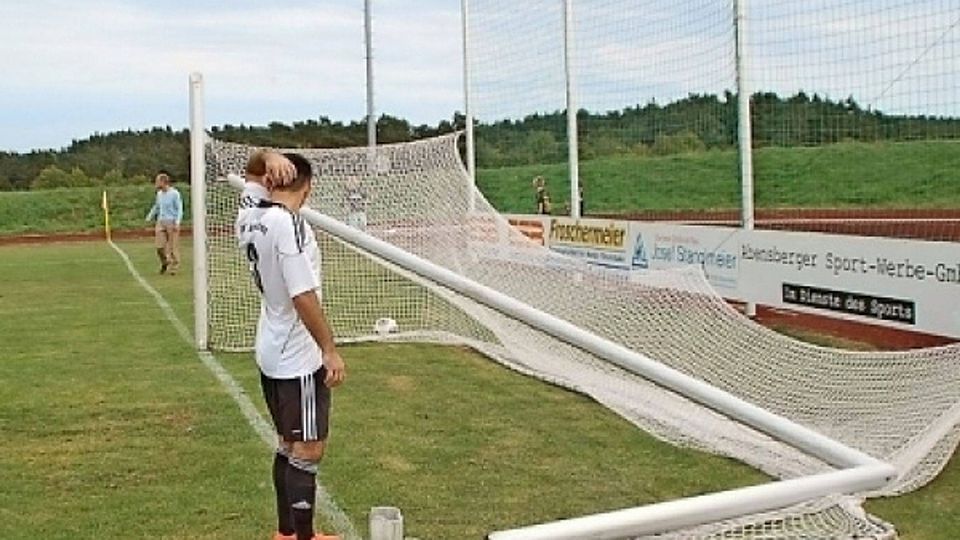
column 308, row 403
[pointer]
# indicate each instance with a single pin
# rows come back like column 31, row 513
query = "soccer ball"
column 384, row 326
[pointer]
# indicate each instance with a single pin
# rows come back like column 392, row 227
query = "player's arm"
column 311, row 313
column 153, row 209
column 302, row 283
column 270, row 168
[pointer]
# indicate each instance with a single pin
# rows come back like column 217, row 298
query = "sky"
column 897, row 56
column 73, row 68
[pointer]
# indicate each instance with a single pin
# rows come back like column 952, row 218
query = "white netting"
column 902, row 407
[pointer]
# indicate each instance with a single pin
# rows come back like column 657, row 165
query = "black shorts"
column 300, row 407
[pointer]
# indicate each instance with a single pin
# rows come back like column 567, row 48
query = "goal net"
column 900, row 407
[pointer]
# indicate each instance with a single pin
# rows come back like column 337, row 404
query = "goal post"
column 198, row 212
column 716, row 507
column 662, row 349
column 859, row 472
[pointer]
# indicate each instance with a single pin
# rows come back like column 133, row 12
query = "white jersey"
column 249, row 209
column 284, row 262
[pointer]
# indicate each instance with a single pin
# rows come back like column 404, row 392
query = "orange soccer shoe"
column 317, row 536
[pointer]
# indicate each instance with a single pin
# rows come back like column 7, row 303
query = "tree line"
column 126, row 157
column 699, row 122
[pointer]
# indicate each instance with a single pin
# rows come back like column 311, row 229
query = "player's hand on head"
column 336, row 369
column 279, row 170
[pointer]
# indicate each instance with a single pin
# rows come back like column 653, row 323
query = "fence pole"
column 574, row 158
column 371, row 119
column 471, row 156
column 744, row 130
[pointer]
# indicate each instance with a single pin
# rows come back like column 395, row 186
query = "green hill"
column 923, row 174
column 77, row 209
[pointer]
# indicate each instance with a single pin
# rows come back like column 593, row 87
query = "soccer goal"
column 662, row 349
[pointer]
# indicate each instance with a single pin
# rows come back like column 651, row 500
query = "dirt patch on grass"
column 396, row 464
column 401, row 383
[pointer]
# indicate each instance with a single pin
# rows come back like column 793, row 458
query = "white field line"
column 327, row 506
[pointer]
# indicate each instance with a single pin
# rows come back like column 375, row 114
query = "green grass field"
column 113, row 428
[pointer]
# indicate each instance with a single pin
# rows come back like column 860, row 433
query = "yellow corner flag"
column 106, row 216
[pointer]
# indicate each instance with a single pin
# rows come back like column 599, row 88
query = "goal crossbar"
column 857, row 470
column 703, row 509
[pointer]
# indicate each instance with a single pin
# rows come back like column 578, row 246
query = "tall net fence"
column 519, row 103
column 902, row 407
column 857, row 115
column 854, row 107
column 655, row 81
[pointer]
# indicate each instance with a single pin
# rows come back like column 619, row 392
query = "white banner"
column 895, row 282
column 907, row 284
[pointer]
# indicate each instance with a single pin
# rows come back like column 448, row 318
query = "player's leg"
column 173, row 247
column 281, row 459
column 302, row 485
column 160, row 242
column 305, row 424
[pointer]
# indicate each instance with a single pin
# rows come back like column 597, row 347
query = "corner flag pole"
column 106, row 216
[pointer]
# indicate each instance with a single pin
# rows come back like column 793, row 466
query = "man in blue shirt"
column 168, row 211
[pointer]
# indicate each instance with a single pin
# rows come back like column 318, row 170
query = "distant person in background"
column 543, row 197
column 167, row 210
column 580, row 198
column 356, row 201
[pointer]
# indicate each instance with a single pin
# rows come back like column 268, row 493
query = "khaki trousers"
column 168, row 244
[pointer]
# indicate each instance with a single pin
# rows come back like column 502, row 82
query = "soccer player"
column 168, row 210
column 295, row 351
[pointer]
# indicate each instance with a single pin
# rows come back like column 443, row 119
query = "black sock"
column 301, row 493
column 284, row 517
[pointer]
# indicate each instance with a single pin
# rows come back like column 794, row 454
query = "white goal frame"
column 856, row 471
